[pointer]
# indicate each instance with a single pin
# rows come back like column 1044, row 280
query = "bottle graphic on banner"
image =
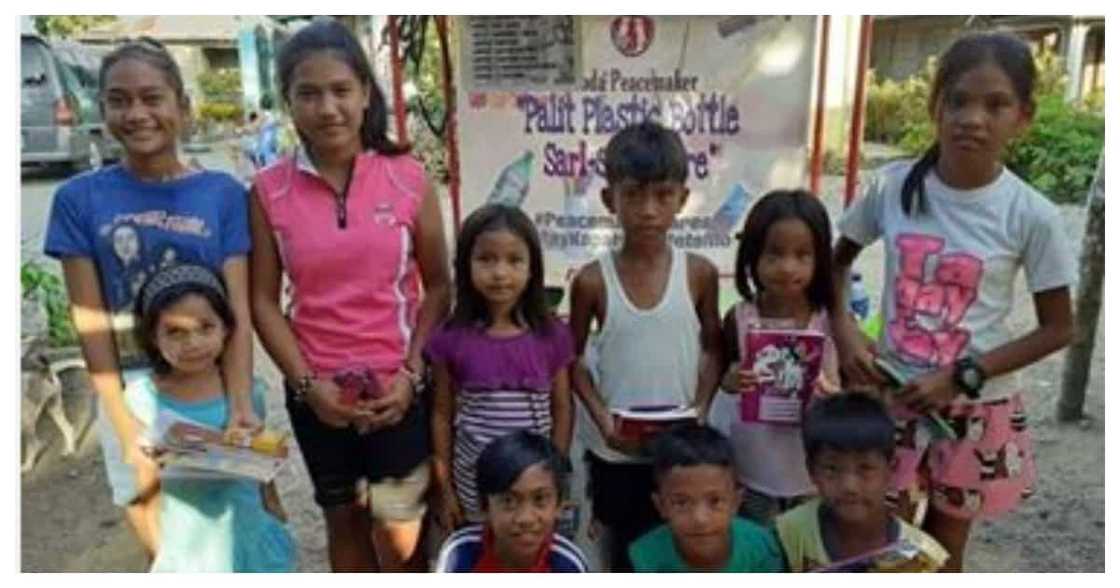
column 577, row 205
column 512, row 184
column 727, row 216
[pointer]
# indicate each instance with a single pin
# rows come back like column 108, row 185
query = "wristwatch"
column 303, row 387
column 969, row 376
column 414, row 377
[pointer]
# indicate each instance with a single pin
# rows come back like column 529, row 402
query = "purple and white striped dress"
column 503, row 385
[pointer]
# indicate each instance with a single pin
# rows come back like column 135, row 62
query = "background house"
column 902, row 44
column 203, row 43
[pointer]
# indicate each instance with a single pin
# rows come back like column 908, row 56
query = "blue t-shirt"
column 131, row 229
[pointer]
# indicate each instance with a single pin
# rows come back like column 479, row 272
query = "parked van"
column 60, row 121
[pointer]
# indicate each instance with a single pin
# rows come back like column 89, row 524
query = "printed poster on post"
column 540, row 96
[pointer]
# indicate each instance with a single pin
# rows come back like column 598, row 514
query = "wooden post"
column 1079, row 358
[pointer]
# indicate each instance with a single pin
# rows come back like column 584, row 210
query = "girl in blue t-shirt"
column 500, row 363
column 213, row 524
column 115, row 227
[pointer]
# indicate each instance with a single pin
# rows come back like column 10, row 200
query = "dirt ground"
column 69, row 524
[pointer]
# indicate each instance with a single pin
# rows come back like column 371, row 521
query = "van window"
column 33, row 64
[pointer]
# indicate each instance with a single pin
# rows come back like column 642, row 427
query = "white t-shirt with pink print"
column 949, row 274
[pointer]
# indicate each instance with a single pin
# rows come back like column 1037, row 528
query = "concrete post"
column 1076, row 34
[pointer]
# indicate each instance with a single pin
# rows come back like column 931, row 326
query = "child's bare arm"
column 443, row 413
column 586, row 303
column 853, row 348
column 562, row 411
column 706, row 279
column 271, row 498
column 1054, row 311
column 730, row 356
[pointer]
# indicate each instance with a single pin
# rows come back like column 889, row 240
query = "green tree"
column 68, row 25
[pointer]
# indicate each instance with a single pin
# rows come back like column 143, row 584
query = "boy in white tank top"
column 658, row 343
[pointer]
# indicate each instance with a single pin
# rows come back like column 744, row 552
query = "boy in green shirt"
column 697, row 498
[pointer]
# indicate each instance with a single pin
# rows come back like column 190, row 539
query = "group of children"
column 844, row 482
column 956, row 225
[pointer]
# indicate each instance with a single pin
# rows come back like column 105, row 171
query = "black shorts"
column 622, row 500
column 336, row 458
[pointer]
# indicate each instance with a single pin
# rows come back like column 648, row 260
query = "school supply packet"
column 933, row 422
column 187, row 449
column 788, row 364
column 900, row 556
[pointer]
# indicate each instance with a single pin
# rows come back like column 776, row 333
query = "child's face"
column 979, row 114
column 853, row 484
column 141, row 108
column 190, row 335
column 785, row 265
column 645, row 211
column 328, row 102
column 500, row 266
column 698, row 503
column 523, row 517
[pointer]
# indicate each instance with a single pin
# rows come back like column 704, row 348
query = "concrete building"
column 203, row 43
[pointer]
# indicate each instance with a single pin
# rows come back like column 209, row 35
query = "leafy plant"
column 66, row 25
column 894, row 107
column 1058, row 154
column 426, row 107
column 221, row 85
column 36, row 282
column 221, row 100
column 210, row 112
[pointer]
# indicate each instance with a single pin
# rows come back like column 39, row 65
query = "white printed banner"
column 539, row 97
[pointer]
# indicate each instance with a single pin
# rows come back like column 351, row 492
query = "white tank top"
column 649, row 356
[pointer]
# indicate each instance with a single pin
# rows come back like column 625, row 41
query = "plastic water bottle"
column 731, row 210
column 512, row 184
column 858, row 300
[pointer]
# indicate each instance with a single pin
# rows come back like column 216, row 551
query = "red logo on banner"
column 632, row 35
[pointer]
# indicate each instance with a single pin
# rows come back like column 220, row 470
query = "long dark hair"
column 471, row 308
column 327, row 34
column 776, row 206
column 1007, row 52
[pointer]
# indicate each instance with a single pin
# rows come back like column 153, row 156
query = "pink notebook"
column 789, row 363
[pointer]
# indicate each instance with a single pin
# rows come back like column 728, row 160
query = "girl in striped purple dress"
column 500, row 362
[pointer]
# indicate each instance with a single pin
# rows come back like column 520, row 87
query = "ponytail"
column 375, row 122
column 915, row 181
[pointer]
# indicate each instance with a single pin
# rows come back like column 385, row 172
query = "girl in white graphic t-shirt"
column 956, row 227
